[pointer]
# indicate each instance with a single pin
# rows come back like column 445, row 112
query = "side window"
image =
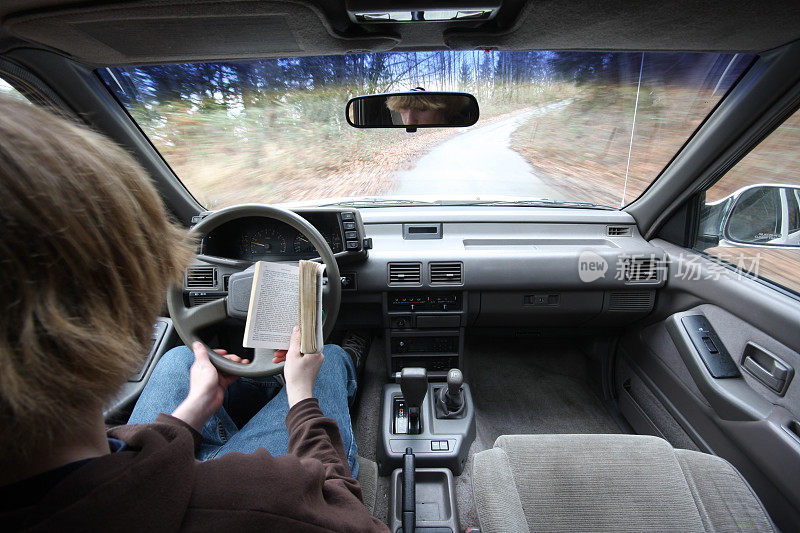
column 6, row 89
column 751, row 217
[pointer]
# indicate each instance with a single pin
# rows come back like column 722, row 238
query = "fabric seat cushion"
column 609, row 483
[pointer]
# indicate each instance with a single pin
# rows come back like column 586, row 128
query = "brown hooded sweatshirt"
column 156, row 484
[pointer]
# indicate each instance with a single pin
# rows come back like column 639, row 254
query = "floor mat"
column 367, row 417
column 531, row 386
column 367, row 414
column 524, row 387
column 368, row 479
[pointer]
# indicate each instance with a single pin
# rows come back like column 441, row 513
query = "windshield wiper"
column 383, row 202
column 544, row 202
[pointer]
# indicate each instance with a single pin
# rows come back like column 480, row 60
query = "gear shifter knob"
column 454, row 381
column 450, row 399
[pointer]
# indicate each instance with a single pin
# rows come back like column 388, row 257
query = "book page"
column 274, row 306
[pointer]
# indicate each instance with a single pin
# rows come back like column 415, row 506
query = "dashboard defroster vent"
column 446, row 273
column 642, row 270
column 405, row 273
column 636, row 301
column 200, row 277
column 619, row 231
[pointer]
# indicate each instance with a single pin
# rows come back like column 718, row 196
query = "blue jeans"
column 265, row 397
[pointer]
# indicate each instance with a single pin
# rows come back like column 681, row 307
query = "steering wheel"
column 188, row 321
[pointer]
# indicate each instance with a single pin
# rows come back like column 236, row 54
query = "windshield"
column 565, row 126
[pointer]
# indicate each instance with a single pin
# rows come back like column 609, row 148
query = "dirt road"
column 479, row 162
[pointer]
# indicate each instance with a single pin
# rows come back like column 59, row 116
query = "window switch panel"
column 712, row 351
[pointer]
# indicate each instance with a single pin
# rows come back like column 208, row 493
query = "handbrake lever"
column 409, row 503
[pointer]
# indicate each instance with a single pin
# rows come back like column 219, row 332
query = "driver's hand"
column 300, row 370
column 206, row 387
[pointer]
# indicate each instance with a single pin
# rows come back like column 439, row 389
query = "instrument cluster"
column 257, row 239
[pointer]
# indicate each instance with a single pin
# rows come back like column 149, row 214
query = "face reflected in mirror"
column 412, row 109
column 423, row 109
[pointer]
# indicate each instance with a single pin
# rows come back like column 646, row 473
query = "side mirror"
column 764, row 215
column 412, row 110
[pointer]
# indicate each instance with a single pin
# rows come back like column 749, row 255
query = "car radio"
column 414, row 345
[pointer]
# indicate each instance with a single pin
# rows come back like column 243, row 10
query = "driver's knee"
column 336, row 356
column 339, row 366
column 175, row 362
column 166, row 388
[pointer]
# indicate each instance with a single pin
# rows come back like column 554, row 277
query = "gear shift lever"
column 449, row 400
column 414, row 386
column 454, row 381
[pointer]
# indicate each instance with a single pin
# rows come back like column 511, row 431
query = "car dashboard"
column 426, row 275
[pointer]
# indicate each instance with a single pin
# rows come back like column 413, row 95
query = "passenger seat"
column 609, row 483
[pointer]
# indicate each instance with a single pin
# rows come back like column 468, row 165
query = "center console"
column 415, row 416
column 427, row 415
column 425, row 329
column 430, row 425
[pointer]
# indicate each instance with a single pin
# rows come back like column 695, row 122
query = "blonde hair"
column 87, row 253
column 414, row 102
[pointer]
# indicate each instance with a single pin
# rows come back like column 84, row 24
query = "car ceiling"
column 138, row 32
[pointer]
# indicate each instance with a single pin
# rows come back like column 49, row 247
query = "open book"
column 283, row 296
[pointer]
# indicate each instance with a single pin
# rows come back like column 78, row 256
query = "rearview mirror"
column 412, row 110
column 764, row 215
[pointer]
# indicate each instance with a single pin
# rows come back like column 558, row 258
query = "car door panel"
column 664, row 388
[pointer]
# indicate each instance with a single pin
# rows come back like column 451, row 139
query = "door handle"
column 767, row 368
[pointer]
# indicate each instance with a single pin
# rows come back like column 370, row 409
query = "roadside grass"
column 276, row 151
column 582, row 149
column 296, row 148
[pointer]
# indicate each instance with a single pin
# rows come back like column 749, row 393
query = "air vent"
column 446, row 273
column 640, row 270
column 619, row 231
column 631, row 300
column 405, row 273
column 201, row 278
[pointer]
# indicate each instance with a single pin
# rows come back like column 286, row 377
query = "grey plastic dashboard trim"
column 517, row 250
column 564, row 215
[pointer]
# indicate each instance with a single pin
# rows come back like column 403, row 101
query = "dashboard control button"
column 400, row 322
column 349, row 225
column 351, row 235
column 352, row 245
column 348, row 281
column 348, row 216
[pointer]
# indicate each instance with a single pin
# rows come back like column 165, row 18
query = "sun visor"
column 712, row 25
column 159, row 32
